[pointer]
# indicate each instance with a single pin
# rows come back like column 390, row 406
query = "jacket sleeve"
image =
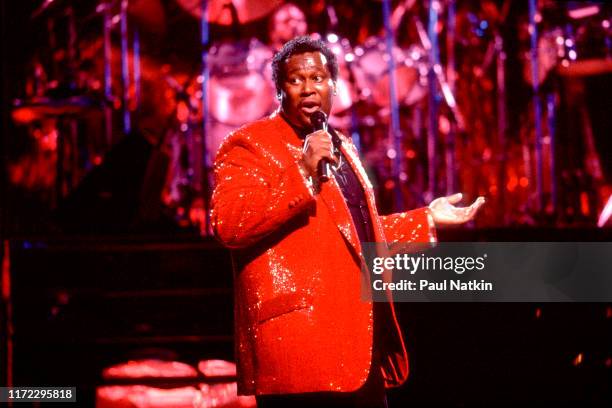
column 254, row 197
column 411, row 226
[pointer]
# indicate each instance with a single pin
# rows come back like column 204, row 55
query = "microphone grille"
column 318, row 119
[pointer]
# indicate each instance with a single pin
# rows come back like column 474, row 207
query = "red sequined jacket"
column 300, row 322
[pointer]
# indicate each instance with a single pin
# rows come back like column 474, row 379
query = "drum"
column 371, row 71
column 416, row 58
column 240, row 88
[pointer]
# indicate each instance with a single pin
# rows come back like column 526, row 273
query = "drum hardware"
column 451, row 69
column 66, row 111
column 117, row 14
column 125, row 73
column 181, row 190
column 59, row 98
column 394, row 148
column 104, row 9
column 439, row 87
column 535, row 86
column 502, row 121
column 207, row 181
column 69, row 95
column 439, row 76
column 26, row 111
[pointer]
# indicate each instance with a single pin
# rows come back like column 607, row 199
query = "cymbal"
column 37, row 108
column 220, row 13
column 586, row 67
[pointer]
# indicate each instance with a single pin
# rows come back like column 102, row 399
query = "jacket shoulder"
column 251, row 136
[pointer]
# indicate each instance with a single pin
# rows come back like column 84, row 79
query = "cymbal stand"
column 535, row 80
column 185, row 163
column 551, row 111
column 502, row 122
column 496, row 53
column 207, row 168
column 136, row 67
column 434, row 98
column 67, row 165
column 450, row 151
column 354, row 129
column 68, row 132
column 125, row 70
column 394, row 149
column 439, row 89
column 104, row 8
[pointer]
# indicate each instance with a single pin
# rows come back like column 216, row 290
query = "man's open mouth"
column 308, row 107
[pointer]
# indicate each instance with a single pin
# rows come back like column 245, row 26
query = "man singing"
column 304, row 336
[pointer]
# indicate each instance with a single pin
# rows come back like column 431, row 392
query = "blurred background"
column 112, row 111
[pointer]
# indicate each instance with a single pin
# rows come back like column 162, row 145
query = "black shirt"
column 355, row 199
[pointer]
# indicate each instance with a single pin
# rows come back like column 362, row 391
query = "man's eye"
column 318, row 78
column 294, row 81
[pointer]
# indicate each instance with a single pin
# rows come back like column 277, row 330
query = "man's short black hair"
column 296, row 46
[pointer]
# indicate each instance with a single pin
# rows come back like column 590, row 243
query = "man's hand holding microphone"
column 318, row 152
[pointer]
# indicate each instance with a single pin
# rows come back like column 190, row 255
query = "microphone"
column 318, row 119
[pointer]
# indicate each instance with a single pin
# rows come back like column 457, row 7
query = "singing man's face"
column 307, row 87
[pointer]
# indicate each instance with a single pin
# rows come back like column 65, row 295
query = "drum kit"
column 107, row 79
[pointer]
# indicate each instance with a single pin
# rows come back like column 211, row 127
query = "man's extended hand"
column 444, row 212
column 318, row 145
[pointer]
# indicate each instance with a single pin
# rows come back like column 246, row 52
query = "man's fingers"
column 455, row 198
column 320, row 148
column 319, row 135
column 471, row 211
column 478, row 203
